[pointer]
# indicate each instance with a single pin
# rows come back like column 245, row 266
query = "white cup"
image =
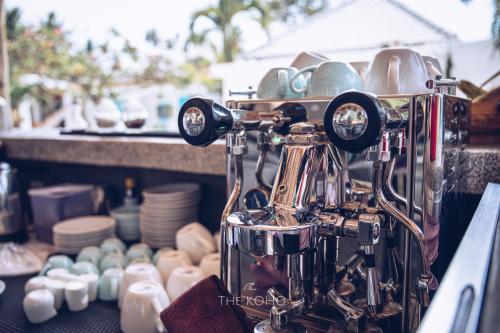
column 143, row 303
column 397, row 71
column 57, row 273
column 56, row 287
column 210, row 264
column 433, row 66
column 167, row 261
column 307, row 58
column 361, row 67
column 159, row 252
column 35, row 283
column 183, row 278
column 217, row 240
column 135, row 273
column 91, row 279
column 38, row 306
column 76, row 294
column 196, row 240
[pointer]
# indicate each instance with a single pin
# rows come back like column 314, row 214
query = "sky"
column 94, row 18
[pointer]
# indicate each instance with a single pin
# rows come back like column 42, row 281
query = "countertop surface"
column 170, row 154
column 482, row 162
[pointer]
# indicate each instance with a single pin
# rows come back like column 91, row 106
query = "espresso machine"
column 311, row 248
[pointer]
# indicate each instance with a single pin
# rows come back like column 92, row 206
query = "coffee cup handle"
column 46, row 268
column 114, row 287
column 282, row 83
column 393, row 75
column 433, row 71
column 296, row 75
column 158, row 309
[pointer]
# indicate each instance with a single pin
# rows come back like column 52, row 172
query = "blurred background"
column 79, row 64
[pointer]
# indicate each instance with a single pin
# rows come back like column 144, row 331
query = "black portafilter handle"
column 202, row 121
column 354, row 121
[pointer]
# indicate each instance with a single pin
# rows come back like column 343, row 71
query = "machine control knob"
column 202, row 121
column 354, row 121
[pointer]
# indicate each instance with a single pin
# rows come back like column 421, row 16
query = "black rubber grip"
column 376, row 118
column 218, row 120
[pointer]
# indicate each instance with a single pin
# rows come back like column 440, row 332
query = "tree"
column 222, row 17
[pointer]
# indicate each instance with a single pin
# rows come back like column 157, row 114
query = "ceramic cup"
column 57, row 273
column 397, row 71
column 144, row 301
column 217, row 240
column 57, row 261
column 38, row 306
column 66, row 277
column 308, row 58
column 210, row 264
column 76, row 295
column 196, row 240
column 433, row 66
column 139, row 250
column 84, row 267
column 330, row 78
column 109, row 283
column 170, row 260
column 56, row 287
column 276, row 84
column 361, row 67
column 92, row 280
column 159, row 252
column 112, row 245
column 135, row 273
column 35, row 283
column 113, row 260
column 138, row 260
column 91, row 254
column 183, row 278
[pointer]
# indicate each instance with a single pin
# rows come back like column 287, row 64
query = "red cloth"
column 203, row 309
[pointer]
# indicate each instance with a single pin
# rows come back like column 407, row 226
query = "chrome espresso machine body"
column 318, row 250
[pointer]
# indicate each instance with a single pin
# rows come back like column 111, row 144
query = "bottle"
column 129, row 199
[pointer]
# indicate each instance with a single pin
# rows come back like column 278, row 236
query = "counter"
column 168, row 154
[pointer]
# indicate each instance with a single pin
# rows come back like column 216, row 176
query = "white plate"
column 2, row 287
column 84, row 225
column 171, row 189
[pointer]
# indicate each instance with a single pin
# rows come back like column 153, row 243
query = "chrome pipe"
column 259, row 170
column 409, row 224
column 389, row 189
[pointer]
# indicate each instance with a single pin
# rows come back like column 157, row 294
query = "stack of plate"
column 70, row 236
column 165, row 210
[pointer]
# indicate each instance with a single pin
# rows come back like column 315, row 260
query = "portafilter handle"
column 354, row 121
column 202, row 121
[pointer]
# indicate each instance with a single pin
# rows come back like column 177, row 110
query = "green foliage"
column 223, row 23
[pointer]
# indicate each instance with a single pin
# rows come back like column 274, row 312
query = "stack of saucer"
column 72, row 235
column 165, row 210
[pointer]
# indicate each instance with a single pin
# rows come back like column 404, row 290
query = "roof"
column 355, row 25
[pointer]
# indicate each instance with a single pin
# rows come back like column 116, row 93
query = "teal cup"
column 276, row 84
column 56, row 261
column 139, row 250
column 84, row 267
column 113, row 260
column 109, row 283
column 112, row 245
column 90, row 256
column 328, row 79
